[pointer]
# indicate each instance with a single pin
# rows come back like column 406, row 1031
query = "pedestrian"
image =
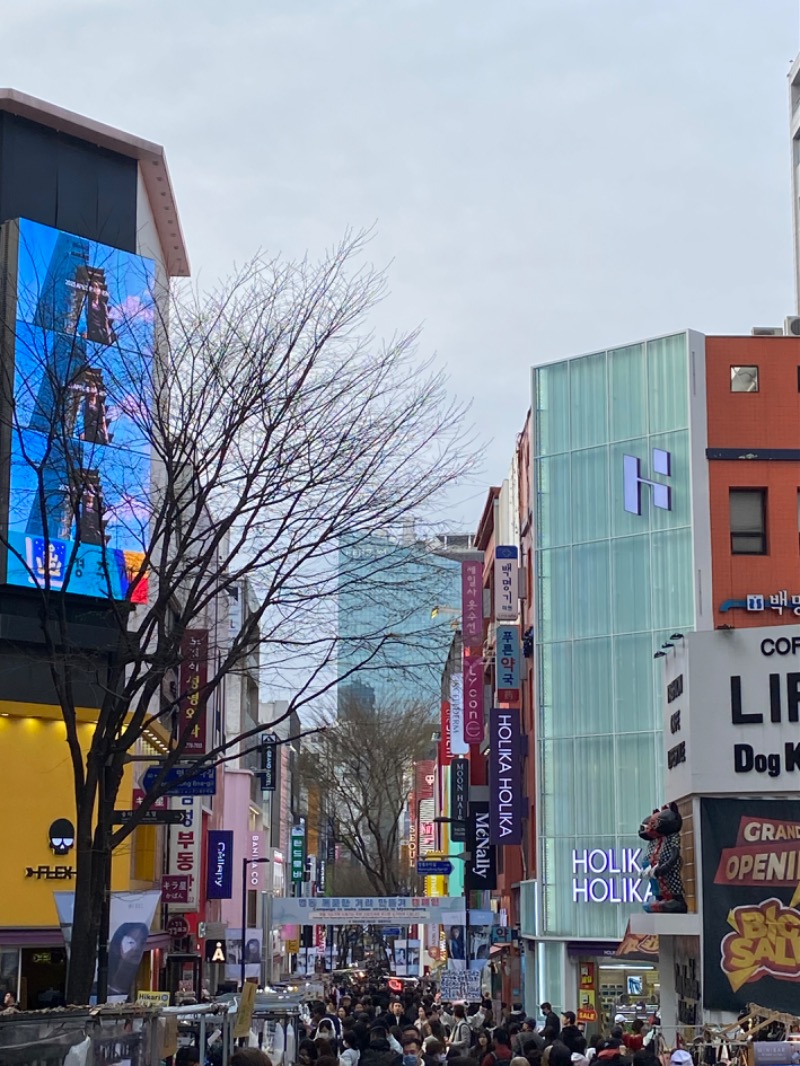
column 570, row 1033
column 483, row 1045
column 634, row 1040
column 460, row 1033
column 188, row 1056
column 379, row 1052
column 250, row 1056
column 552, row 1026
column 434, row 1052
column 501, row 1051
column 351, row 1053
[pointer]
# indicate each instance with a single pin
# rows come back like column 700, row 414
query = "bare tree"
column 363, row 766
column 193, row 445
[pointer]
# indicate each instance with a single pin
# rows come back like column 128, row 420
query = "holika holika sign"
column 751, row 912
column 505, row 776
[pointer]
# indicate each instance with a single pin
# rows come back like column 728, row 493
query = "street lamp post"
column 246, row 861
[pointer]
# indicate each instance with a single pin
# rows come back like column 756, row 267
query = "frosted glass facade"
column 611, row 586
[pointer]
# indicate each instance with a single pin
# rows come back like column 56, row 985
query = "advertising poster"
column 80, row 444
column 132, row 915
column 252, row 954
column 751, row 903
column 401, row 958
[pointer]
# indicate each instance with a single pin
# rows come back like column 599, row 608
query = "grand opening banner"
column 751, row 903
column 80, row 447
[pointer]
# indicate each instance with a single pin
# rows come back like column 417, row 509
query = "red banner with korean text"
column 193, row 680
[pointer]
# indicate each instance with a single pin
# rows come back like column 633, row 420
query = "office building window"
column 744, row 379
column 748, row 511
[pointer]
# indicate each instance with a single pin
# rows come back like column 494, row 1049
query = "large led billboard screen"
column 79, row 443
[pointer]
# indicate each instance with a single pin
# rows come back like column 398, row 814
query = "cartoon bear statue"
column 662, row 831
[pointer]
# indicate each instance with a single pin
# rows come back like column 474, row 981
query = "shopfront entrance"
column 43, row 977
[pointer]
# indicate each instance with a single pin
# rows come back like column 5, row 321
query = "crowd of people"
column 372, row 1027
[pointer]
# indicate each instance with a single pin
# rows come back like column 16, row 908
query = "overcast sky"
column 548, row 177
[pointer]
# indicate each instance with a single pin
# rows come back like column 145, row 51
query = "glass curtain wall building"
column 614, row 579
column 396, row 602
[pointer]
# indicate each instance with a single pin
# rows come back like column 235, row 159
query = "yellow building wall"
column 37, row 787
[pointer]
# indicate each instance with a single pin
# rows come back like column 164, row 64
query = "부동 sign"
column 377, row 910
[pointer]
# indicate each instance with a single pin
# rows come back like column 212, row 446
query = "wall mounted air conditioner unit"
column 766, row 331
column 791, row 326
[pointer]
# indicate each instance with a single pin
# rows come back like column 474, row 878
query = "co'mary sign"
column 736, row 693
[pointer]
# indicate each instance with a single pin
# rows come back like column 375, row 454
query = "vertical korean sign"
column 184, row 849
column 445, row 734
column 194, row 678
column 473, row 698
column 459, row 799
column 507, row 673
column 458, row 746
column 506, row 583
column 505, row 777
column 297, row 853
column 472, row 603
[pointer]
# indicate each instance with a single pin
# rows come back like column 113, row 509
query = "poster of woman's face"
column 125, row 950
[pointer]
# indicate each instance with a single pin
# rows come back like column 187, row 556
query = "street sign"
column 149, row 817
column 434, row 867
column 177, row 926
column 202, row 784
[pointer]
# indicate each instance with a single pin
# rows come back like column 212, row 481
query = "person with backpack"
column 460, row 1038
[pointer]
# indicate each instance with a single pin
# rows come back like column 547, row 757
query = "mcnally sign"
column 736, row 693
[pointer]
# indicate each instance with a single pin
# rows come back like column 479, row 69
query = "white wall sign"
column 732, row 712
column 458, row 746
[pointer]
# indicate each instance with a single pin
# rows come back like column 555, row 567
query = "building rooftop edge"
column 150, row 156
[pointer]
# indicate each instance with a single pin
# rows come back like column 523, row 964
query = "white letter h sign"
column 661, row 495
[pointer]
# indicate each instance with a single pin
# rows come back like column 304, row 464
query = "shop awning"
column 32, row 937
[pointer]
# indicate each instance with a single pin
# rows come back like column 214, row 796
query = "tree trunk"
column 89, row 891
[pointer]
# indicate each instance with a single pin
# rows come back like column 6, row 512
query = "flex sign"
column 736, row 693
column 609, row 875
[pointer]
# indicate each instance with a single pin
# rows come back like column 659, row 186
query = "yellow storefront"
column 39, row 847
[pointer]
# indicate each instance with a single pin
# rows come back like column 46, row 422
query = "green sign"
column 298, row 853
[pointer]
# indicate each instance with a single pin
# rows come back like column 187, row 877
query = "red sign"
column 175, row 889
column 160, row 804
column 177, row 926
column 445, row 747
column 424, row 778
column 192, row 703
column 473, row 698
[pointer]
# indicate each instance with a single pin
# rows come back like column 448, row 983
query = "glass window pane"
column 554, row 594
column 630, row 558
column 555, row 689
column 593, row 693
column 744, row 379
column 747, row 510
column 634, row 666
column 591, row 592
column 672, row 584
column 627, row 388
column 668, row 374
column 595, row 787
column 588, row 401
column 590, row 495
column 553, row 496
column 553, row 409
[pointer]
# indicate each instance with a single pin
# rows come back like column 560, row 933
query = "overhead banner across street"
column 378, row 910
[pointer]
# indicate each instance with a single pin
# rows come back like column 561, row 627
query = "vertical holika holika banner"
column 751, row 903
column 131, row 917
column 505, row 777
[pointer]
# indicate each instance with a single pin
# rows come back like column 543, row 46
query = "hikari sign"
column 506, row 583
column 508, row 656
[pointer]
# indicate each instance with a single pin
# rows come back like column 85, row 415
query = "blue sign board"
column 219, row 883
column 434, row 867
column 202, row 784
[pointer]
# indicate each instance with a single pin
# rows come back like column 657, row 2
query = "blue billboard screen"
column 80, row 444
